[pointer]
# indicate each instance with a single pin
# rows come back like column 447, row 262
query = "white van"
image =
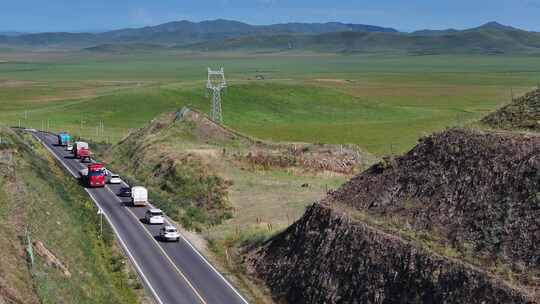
column 139, row 196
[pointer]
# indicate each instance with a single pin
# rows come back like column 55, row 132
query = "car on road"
column 124, row 192
column 169, row 233
column 86, row 159
column 69, row 147
column 154, row 216
column 114, row 179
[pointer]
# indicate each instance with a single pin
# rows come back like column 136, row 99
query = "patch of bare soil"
column 50, row 258
column 15, row 83
column 345, row 160
column 9, row 295
column 331, row 80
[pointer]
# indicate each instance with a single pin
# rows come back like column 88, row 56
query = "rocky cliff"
column 455, row 220
column 479, row 192
column 327, row 257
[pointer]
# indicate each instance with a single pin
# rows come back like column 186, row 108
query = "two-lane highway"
column 173, row 272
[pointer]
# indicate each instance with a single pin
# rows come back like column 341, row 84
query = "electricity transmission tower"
column 215, row 84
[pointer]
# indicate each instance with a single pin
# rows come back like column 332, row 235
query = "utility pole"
column 100, row 212
column 81, row 132
column 216, row 83
column 512, row 93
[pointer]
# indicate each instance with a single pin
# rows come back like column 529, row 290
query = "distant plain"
column 383, row 103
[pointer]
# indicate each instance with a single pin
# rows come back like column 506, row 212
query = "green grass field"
column 381, row 102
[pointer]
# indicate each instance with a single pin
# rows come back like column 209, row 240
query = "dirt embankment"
column 326, row 257
column 339, row 159
column 478, row 191
column 455, row 220
column 522, row 114
column 314, row 158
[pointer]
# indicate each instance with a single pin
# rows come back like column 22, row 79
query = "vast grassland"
column 381, row 102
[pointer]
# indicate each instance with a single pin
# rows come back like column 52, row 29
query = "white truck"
column 139, row 196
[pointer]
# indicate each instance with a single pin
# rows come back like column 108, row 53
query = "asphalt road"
column 174, row 272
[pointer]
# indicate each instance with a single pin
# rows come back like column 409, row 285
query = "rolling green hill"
column 125, row 48
column 491, row 38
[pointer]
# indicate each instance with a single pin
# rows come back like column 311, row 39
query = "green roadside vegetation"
column 40, row 203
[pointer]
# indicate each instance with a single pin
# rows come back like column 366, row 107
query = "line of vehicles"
column 95, row 175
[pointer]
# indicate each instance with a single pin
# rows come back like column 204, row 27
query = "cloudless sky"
column 84, row 15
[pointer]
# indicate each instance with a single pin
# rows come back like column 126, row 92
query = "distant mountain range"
column 10, row 33
column 490, row 38
column 180, row 33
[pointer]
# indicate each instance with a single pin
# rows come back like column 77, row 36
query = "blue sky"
column 82, row 15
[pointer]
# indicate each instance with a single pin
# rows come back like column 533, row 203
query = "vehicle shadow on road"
column 160, row 239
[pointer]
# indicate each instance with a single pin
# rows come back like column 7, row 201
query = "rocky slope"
column 523, row 114
column 468, row 187
column 455, row 220
column 327, row 257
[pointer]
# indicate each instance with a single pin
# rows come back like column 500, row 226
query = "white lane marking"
column 169, row 221
column 139, row 270
column 160, row 248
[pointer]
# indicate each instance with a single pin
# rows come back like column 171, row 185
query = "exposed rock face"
column 455, row 220
column 522, row 113
column 326, row 257
column 479, row 189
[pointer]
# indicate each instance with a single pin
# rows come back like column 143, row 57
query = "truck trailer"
column 80, row 149
column 93, row 175
column 64, row 139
